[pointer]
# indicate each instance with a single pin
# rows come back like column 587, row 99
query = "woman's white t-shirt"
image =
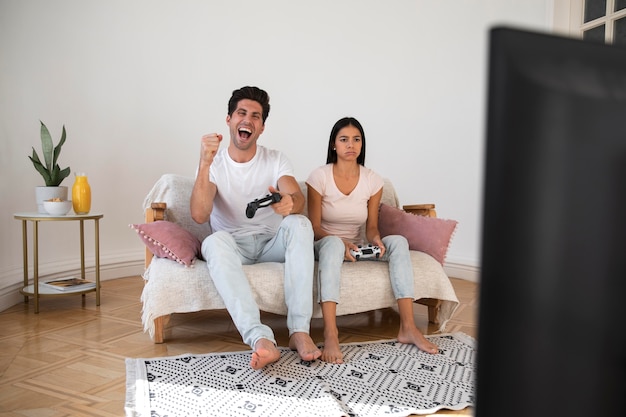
column 343, row 215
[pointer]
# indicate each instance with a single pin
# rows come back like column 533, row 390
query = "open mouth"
column 244, row 132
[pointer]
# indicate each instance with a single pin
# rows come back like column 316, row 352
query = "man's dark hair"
column 250, row 93
column 331, row 156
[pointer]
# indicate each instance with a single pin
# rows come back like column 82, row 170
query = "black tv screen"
column 552, row 316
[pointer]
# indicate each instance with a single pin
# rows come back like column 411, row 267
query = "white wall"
column 137, row 83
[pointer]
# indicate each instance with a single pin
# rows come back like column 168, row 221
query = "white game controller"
column 366, row 252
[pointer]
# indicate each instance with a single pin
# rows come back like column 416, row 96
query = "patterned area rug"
column 384, row 378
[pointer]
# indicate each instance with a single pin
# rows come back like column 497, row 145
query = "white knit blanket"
column 365, row 286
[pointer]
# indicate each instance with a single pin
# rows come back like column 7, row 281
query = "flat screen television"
column 552, row 315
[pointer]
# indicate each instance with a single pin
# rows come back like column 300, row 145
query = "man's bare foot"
column 264, row 353
column 413, row 336
column 332, row 352
column 303, row 343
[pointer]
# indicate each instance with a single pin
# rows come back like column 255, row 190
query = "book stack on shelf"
column 69, row 284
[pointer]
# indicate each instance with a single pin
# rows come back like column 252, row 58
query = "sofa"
column 179, row 282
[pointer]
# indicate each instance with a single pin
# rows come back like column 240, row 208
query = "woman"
column 342, row 196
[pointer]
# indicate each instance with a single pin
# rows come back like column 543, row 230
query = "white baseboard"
column 462, row 271
column 10, row 295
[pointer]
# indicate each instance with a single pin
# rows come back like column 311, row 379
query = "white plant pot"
column 46, row 193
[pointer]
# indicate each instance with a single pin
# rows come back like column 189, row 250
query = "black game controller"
column 366, row 251
column 268, row 200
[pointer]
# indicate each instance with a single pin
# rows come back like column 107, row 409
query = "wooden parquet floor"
column 68, row 360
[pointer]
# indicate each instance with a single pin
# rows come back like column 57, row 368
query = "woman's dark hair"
column 331, row 156
column 250, row 93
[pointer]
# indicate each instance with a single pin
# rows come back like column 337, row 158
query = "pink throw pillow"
column 169, row 240
column 430, row 235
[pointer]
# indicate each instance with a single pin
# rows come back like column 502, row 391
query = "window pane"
column 620, row 32
column 619, row 5
column 596, row 34
column 594, row 9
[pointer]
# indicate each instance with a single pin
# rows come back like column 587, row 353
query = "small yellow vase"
column 81, row 194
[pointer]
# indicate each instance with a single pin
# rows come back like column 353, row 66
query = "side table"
column 34, row 290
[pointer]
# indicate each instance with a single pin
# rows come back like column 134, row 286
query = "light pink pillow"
column 169, row 240
column 430, row 235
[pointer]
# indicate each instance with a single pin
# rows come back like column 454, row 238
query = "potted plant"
column 49, row 169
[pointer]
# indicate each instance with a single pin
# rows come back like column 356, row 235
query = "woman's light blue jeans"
column 330, row 251
column 293, row 245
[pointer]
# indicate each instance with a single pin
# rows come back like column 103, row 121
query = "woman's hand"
column 347, row 255
column 377, row 241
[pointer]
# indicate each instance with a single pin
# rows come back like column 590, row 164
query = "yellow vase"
column 81, row 194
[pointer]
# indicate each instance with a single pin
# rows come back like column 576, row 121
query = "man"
column 227, row 180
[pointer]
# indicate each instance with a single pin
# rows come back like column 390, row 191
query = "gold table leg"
column 25, row 255
column 82, row 249
column 97, row 247
column 36, row 264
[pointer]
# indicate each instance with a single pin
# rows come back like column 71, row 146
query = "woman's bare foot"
column 264, row 353
column 332, row 352
column 303, row 344
column 412, row 335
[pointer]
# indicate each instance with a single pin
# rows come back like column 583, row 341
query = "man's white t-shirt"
column 343, row 215
column 240, row 183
